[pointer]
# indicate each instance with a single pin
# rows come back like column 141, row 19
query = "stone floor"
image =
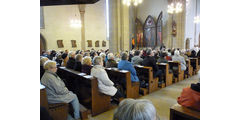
column 162, row 99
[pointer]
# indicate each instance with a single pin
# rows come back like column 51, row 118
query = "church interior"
column 120, row 59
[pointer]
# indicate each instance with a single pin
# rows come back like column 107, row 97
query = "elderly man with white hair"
column 130, row 109
column 111, row 62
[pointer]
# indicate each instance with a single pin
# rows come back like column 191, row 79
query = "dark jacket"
column 86, row 69
column 151, row 62
column 78, row 66
column 41, row 71
column 70, row 63
column 193, row 54
column 111, row 63
column 130, row 57
column 162, row 60
column 59, row 61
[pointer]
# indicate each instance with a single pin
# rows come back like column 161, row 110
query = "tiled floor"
column 162, row 99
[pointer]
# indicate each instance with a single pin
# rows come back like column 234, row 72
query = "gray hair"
column 43, row 60
column 97, row 60
column 124, row 56
column 149, row 52
column 49, row 64
column 130, row 109
column 110, row 56
column 70, row 54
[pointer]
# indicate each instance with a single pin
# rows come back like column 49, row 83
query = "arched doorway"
column 42, row 44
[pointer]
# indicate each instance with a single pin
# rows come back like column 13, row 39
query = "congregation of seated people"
column 93, row 62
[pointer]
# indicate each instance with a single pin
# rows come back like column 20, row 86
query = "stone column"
column 118, row 26
column 113, row 26
column 82, row 12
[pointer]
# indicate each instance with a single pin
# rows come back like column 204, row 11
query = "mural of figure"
column 149, row 32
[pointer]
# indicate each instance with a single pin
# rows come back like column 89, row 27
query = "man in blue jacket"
column 124, row 64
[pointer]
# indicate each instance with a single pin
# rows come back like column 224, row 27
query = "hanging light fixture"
column 134, row 2
column 175, row 7
column 196, row 19
column 75, row 22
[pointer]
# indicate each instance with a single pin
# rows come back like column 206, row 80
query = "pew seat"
column 178, row 112
column 146, row 74
column 178, row 72
column 58, row 111
column 86, row 89
column 167, row 75
column 118, row 76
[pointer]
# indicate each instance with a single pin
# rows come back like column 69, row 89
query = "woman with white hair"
column 177, row 57
column 130, row 109
column 111, row 62
column 87, row 65
column 105, row 85
column 103, row 55
column 57, row 92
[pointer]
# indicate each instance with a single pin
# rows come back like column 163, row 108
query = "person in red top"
column 190, row 97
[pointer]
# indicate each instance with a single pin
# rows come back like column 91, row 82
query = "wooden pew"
column 179, row 72
column 57, row 111
column 194, row 64
column 87, row 91
column 146, row 73
column 190, row 68
column 132, row 88
column 178, row 112
column 168, row 76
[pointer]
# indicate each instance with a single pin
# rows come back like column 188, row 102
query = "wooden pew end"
column 84, row 112
column 145, row 91
column 178, row 112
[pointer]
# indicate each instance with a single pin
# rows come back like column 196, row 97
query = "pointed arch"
column 159, row 30
column 149, row 32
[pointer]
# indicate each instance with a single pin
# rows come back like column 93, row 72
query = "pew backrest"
column 178, row 112
column 86, row 88
column 117, row 76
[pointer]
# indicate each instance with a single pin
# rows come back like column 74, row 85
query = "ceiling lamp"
column 175, row 7
column 134, row 2
column 75, row 23
column 196, row 19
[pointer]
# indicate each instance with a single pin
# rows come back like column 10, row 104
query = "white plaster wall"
column 57, row 25
column 95, row 24
column 190, row 26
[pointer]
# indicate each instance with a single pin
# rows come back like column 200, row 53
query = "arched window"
column 149, row 33
column 159, row 30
